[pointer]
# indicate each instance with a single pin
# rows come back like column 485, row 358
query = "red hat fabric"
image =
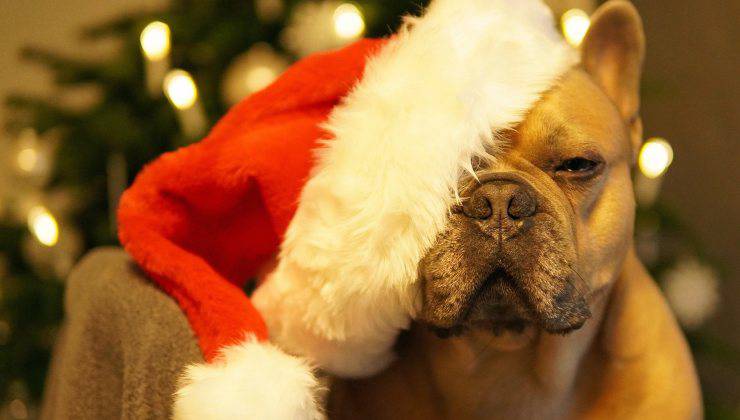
column 201, row 221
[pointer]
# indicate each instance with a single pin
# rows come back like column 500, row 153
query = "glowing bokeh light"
column 655, row 157
column 259, row 78
column 575, row 23
column 43, row 225
column 180, row 89
column 348, row 21
column 155, row 40
column 27, row 159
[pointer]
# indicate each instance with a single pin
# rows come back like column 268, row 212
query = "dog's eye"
column 578, row 165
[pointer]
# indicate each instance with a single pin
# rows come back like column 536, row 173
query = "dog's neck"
column 529, row 375
column 471, row 372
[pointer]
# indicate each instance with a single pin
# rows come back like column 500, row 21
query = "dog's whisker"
column 585, row 289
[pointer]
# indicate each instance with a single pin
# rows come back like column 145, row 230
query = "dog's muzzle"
column 512, row 263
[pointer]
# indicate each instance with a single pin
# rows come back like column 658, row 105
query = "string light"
column 31, row 156
column 259, row 78
column 575, row 23
column 180, row 89
column 27, row 159
column 155, row 40
column 43, row 225
column 655, row 157
column 348, row 21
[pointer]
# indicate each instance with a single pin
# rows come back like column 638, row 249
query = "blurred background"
column 94, row 89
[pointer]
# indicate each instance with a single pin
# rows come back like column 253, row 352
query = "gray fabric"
column 122, row 347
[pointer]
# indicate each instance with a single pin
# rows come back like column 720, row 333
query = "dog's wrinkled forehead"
column 575, row 116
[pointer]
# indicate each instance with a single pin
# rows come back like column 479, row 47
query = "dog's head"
column 547, row 222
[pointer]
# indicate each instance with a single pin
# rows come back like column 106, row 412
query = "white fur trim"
column 251, row 380
column 437, row 95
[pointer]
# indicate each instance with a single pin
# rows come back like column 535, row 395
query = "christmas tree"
column 177, row 72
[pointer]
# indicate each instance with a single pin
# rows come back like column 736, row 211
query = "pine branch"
column 113, row 28
column 66, row 70
column 40, row 113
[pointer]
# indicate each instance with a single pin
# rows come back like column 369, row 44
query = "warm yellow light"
column 43, row 226
column 259, row 78
column 348, row 21
column 155, row 40
column 180, row 89
column 575, row 23
column 655, row 157
column 27, row 159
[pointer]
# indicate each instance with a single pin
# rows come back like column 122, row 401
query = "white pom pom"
column 251, row 380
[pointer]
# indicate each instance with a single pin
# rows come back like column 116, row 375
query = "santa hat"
column 347, row 166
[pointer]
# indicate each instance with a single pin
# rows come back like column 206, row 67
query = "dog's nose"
column 501, row 201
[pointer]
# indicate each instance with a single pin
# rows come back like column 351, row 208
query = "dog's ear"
column 612, row 53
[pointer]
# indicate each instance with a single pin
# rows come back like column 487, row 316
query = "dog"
column 535, row 304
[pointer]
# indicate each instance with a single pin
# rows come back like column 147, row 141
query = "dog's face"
column 547, row 222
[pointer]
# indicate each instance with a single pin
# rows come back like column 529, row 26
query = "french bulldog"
column 535, row 305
